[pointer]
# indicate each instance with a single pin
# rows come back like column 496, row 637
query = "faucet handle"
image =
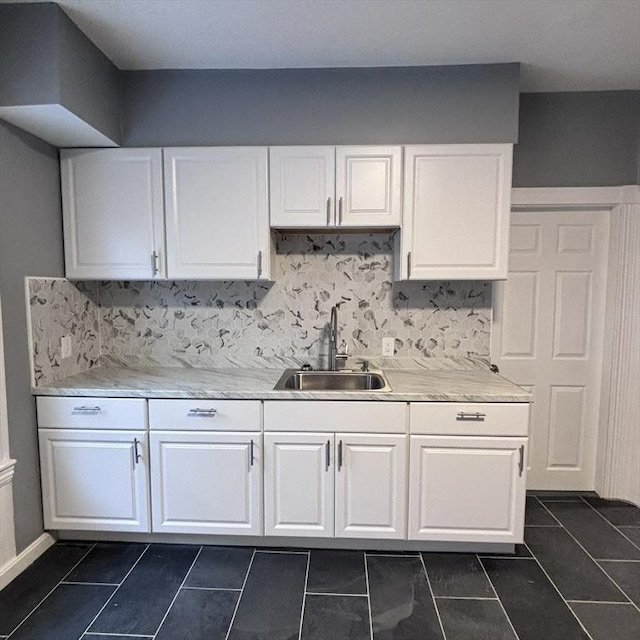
column 364, row 363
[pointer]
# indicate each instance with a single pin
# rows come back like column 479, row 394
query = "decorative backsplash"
column 233, row 323
column 61, row 308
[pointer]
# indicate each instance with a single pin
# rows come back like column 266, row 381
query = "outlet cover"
column 66, row 349
column 388, row 347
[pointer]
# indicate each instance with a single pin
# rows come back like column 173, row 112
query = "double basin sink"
column 299, row 380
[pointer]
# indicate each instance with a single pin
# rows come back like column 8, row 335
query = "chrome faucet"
column 334, row 354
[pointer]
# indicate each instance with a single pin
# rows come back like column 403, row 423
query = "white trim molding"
column 573, row 197
column 7, row 465
column 19, row 563
column 618, row 469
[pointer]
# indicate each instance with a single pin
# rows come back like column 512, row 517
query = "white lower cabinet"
column 94, row 480
column 344, row 485
column 467, row 489
column 438, row 472
column 206, row 482
column 299, row 484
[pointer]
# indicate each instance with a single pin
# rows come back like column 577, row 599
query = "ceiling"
column 564, row 45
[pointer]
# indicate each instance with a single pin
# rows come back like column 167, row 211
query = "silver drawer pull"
column 477, row 416
column 207, row 413
column 85, row 409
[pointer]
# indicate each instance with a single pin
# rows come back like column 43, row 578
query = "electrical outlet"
column 388, row 347
column 66, row 348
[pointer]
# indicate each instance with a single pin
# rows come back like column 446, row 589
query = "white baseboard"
column 16, row 566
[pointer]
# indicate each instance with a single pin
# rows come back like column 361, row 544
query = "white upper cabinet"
column 368, row 186
column 456, row 212
column 335, row 186
column 302, row 183
column 113, row 213
column 217, row 213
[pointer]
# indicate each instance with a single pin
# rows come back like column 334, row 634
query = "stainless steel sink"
column 294, row 380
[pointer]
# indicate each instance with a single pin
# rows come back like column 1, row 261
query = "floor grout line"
column 551, row 514
column 366, row 577
column 506, row 615
column 623, row 604
column 375, row 554
column 464, row 598
column 624, row 593
column 338, row 595
column 301, row 553
column 93, row 546
column 101, row 584
column 304, row 595
column 188, row 588
column 433, row 598
column 102, row 608
column 608, row 560
column 246, row 576
column 115, row 635
column 175, row 596
column 616, row 527
column 553, row 584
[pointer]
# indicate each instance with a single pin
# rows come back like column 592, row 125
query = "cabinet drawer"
column 205, row 415
column 92, row 413
column 323, row 416
column 468, row 419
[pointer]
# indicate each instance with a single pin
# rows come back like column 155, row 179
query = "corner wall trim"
column 545, row 197
column 16, row 566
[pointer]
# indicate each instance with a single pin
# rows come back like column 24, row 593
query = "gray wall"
column 89, row 81
column 471, row 103
column 30, row 244
column 581, row 139
column 29, row 60
column 46, row 59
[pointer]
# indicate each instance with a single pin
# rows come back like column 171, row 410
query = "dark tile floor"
column 577, row 577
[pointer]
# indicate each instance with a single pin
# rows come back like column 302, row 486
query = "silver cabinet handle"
column 328, row 212
column 408, row 264
column 84, row 409
column 154, row 262
column 476, row 417
column 521, row 462
column 204, row 413
column 136, row 453
column 340, row 455
column 259, row 263
column 252, row 457
column 340, row 210
column 328, row 453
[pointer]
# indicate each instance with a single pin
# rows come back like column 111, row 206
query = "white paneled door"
column 548, row 334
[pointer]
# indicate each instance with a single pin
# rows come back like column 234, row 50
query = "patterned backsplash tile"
column 60, row 308
column 199, row 323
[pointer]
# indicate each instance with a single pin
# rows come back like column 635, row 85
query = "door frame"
column 580, row 199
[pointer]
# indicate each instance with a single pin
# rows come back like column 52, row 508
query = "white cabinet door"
column 94, row 480
column 299, row 484
column 217, row 213
column 456, row 212
column 206, row 482
column 302, row 183
column 467, row 489
column 368, row 186
column 371, row 486
column 113, row 213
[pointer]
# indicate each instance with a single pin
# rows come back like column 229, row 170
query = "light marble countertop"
column 408, row 385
